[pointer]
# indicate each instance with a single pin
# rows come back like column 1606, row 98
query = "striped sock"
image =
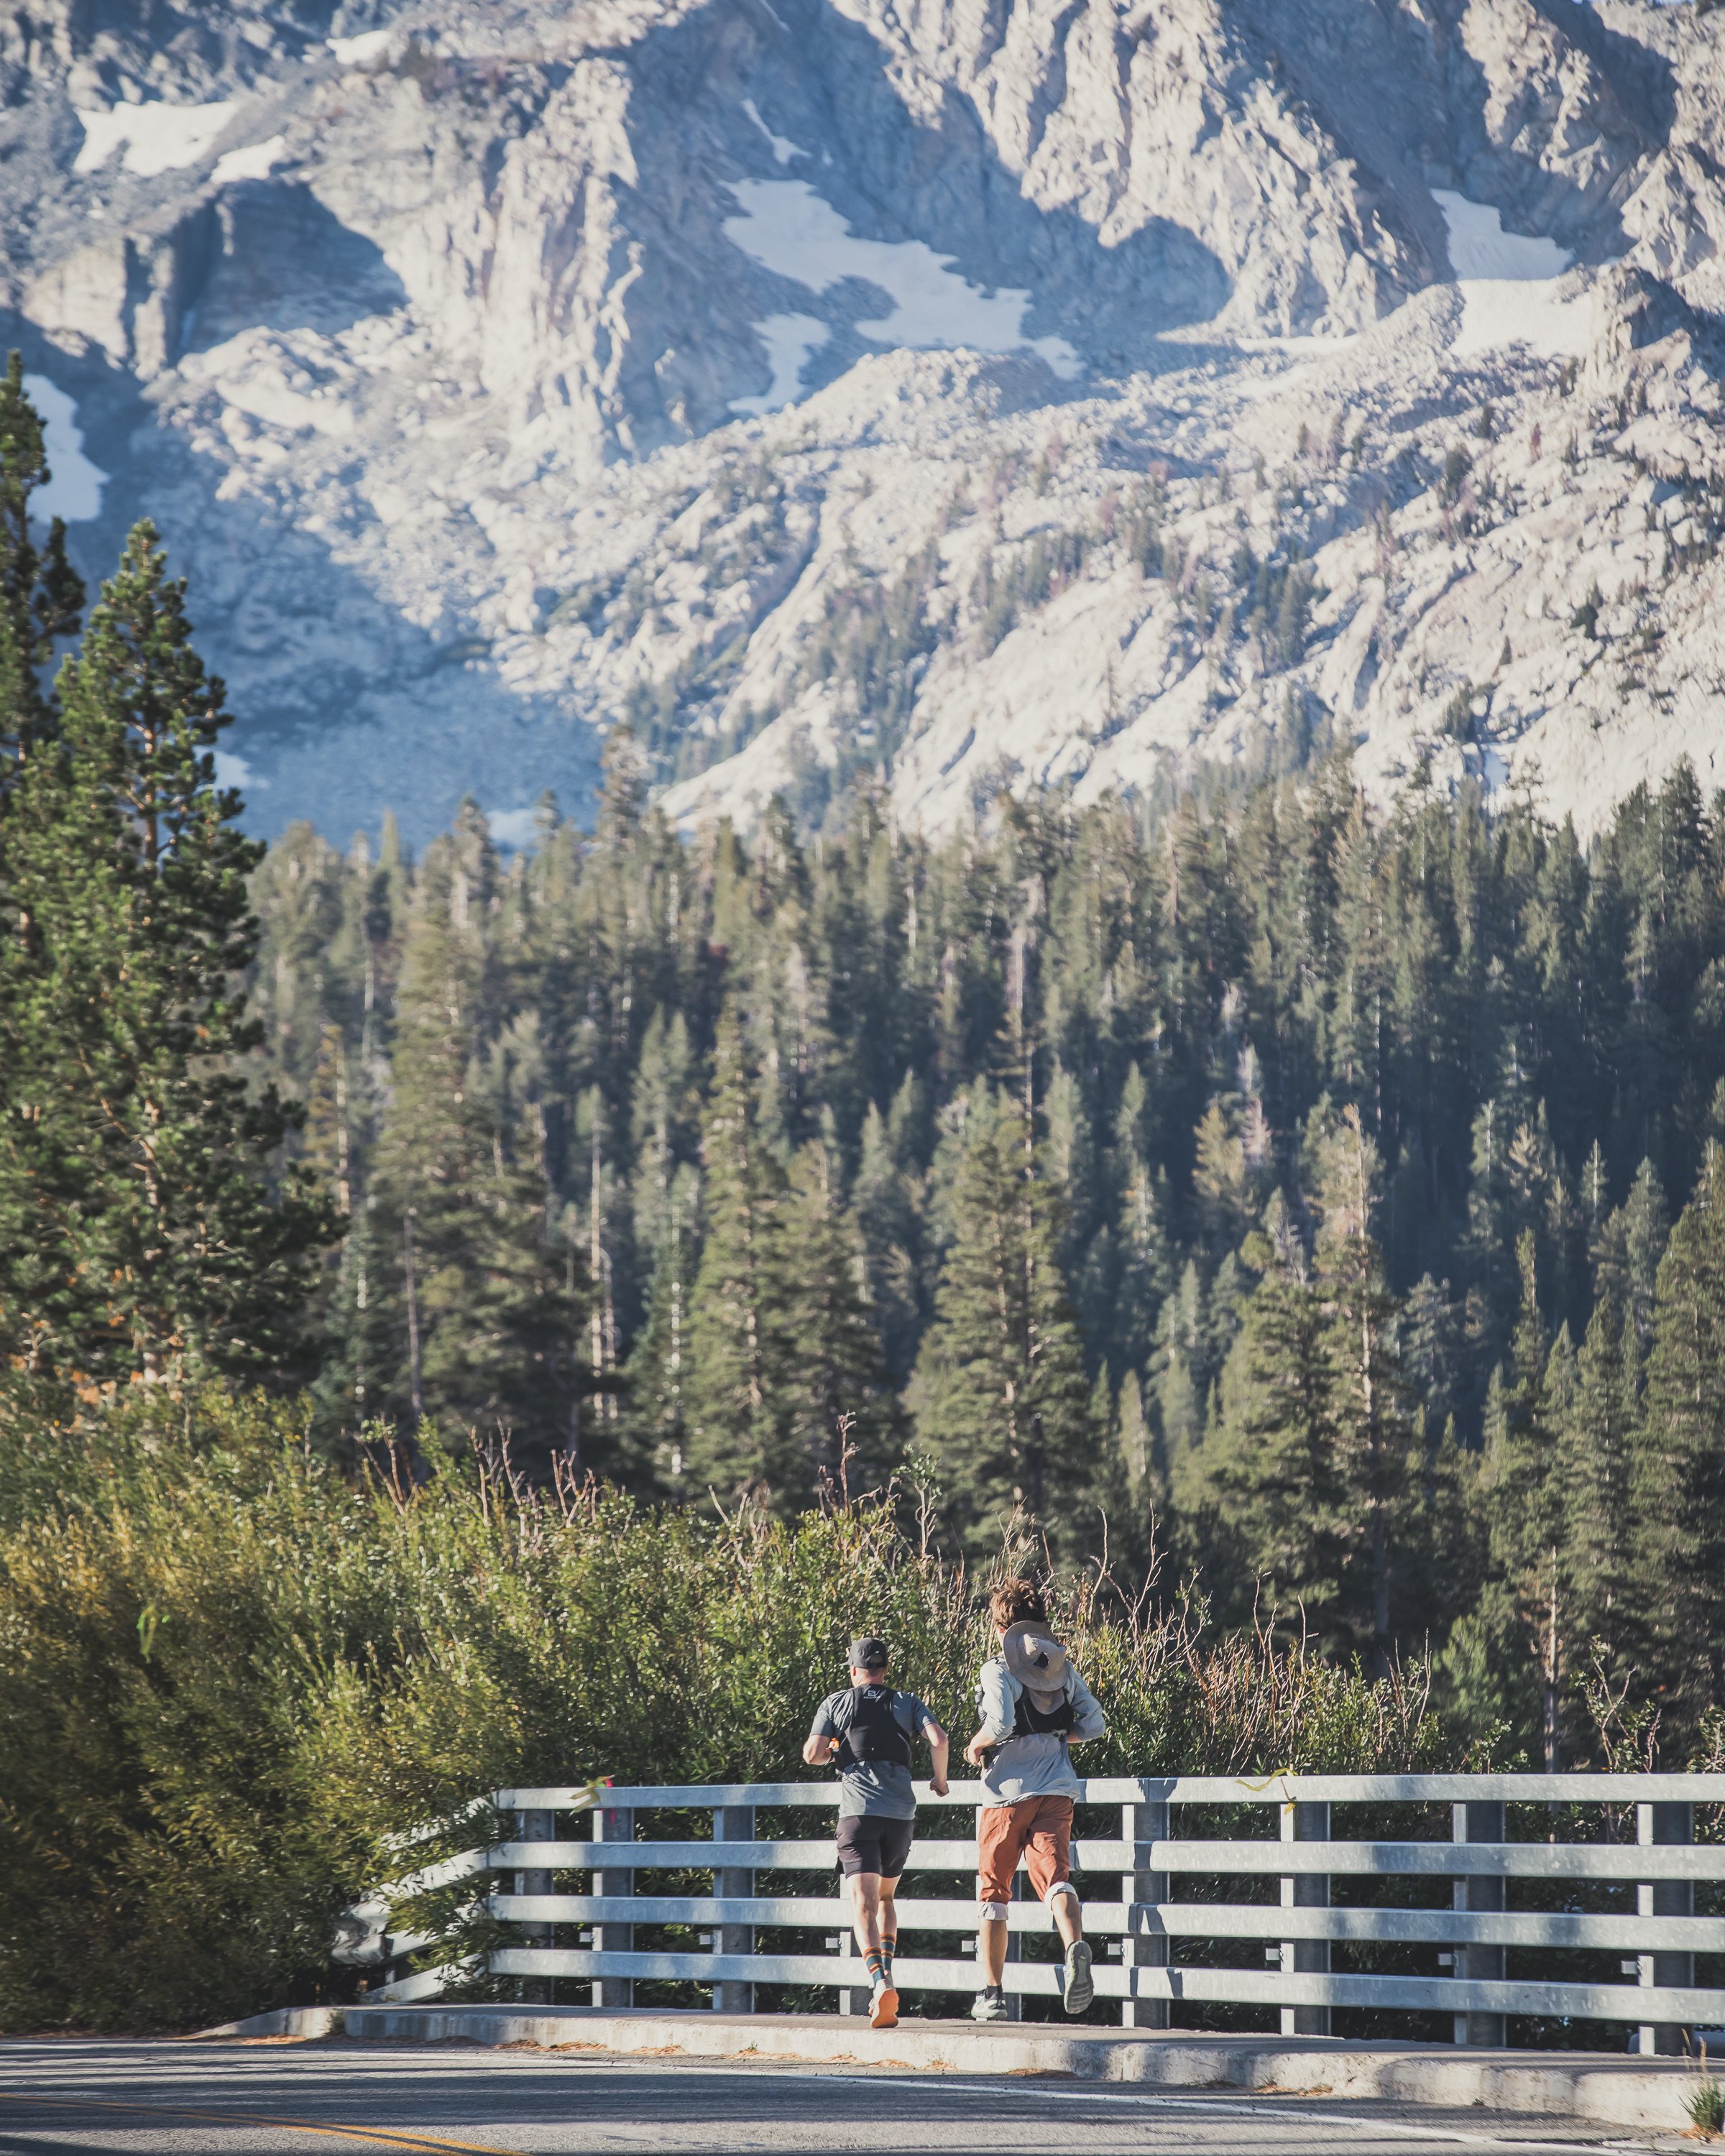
column 877, row 1965
column 888, row 1947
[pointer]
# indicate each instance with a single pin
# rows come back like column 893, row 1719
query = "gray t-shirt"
column 882, row 1789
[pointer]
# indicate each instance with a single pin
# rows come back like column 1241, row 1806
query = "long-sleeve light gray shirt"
column 1030, row 1766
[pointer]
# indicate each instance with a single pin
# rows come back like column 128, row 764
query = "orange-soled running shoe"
column 883, row 2007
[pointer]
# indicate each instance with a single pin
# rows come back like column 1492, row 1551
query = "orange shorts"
column 1038, row 1829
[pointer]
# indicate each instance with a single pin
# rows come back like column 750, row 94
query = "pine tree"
column 1596, row 1202
column 665, row 1122
column 1143, row 1268
column 346, row 1316
column 837, row 1407
column 734, row 1400
column 603, row 1215
column 41, row 594
column 1594, row 1440
column 885, row 1206
column 1086, row 1254
column 1180, row 1373
column 1003, row 1400
column 1270, row 1462
column 1678, row 1474
column 1222, row 1181
column 1499, row 1200
column 654, row 1442
column 1628, row 1246
column 1375, row 1436
column 1136, row 1443
column 1431, row 1353
column 361, row 1331
column 487, row 1289
column 298, row 994
column 1525, row 1492
column 1125, row 1487
column 138, row 1222
column 40, row 601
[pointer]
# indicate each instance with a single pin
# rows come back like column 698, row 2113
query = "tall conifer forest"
column 1256, row 1183
column 1314, row 1209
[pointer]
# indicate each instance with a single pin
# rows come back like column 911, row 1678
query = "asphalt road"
column 275, row 2099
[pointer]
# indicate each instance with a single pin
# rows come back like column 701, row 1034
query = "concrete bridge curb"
column 1598, row 2087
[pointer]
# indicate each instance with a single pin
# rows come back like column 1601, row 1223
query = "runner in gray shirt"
column 869, row 1729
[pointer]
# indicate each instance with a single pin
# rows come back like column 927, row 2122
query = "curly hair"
column 1017, row 1602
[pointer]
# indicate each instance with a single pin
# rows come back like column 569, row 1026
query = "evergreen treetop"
column 141, row 1228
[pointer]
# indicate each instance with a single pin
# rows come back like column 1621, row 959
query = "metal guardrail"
column 1322, row 1886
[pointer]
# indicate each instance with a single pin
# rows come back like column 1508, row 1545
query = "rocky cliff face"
column 977, row 393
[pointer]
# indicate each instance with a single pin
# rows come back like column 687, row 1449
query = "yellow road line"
column 262, row 2118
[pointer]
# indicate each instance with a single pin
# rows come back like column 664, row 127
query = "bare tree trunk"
column 1550, row 1675
column 415, row 1393
column 362, row 1299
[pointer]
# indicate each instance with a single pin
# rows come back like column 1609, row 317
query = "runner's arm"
column 822, row 1741
column 939, row 1744
column 1088, row 1718
column 994, row 1705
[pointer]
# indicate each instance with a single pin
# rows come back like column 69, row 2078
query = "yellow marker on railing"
column 1257, row 1789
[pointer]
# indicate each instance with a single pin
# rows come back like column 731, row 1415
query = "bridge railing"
column 1262, row 1893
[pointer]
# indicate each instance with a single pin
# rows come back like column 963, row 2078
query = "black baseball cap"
column 869, row 1654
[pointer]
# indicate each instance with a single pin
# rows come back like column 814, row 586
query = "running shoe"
column 883, row 2007
column 1078, row 1989
column 990, row 2005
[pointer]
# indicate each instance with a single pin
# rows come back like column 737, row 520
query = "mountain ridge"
column 437, row 342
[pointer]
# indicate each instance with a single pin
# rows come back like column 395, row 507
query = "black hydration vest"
column 874, row 1737
column 1029, row 1720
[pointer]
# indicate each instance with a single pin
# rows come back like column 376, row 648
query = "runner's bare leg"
column 991, row 1942
column 865, row 1888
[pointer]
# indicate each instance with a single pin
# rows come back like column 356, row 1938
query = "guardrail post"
column 853, row 1997
column 535, row 1826
column 1306, row 1890
column 1015, row 1943
column 613, row 1823
column 1479, row 1822
column 1142, row 1825
column 1662, row 1826
column 733, row 1882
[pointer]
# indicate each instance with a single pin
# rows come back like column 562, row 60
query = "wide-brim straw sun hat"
column 1035, row 1658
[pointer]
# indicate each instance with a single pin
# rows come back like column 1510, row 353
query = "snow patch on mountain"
column 790, row 340
column 155, row 137
column 1499, row 312
column 1511, row 283
column 789, row 228
column 783, row 149
column 256, row 161
column 1480, row 248
column 361, row 51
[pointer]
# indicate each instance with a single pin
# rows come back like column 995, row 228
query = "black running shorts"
column 874, row 1844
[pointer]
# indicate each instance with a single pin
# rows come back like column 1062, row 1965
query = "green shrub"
column 1705, row 2104
column 229, row 1672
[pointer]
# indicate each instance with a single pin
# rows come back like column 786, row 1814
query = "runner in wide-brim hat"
column 1032, row 1705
